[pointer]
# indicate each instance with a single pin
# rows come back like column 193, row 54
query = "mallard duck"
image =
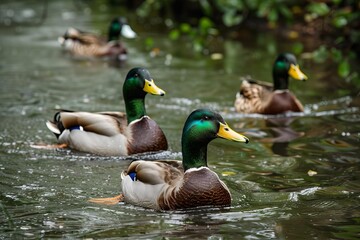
column 114, row 133
column 171, row 184
column 259, row 97
column 86, row 44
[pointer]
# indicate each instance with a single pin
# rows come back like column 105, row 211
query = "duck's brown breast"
column 201, row 187
column 283, row 102
column 146, row 136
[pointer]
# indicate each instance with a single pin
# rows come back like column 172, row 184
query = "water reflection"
column 44, row 193
column 282, row 133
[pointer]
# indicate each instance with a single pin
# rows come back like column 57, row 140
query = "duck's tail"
column 56, row 125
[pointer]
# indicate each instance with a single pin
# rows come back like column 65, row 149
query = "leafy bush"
column 336, row 22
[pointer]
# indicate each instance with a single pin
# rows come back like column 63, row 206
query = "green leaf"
column 273, row 15
column 174, row 34
column 185, row 28
column 297, row 48
column 198, row 46
column 206, row 7
column 321, row 54
column 339, row 40
column 149, row 42
column 320, row 9
column 285, row 12
column 339, row 21
column 263, row 9
column 205, row 23
column 336, row 54
column 344, row 69
column 230, row 18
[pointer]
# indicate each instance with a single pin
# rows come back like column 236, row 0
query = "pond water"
column 298, row 181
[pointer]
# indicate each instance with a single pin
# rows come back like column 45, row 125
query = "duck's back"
column 259, row 97
column 252, row 96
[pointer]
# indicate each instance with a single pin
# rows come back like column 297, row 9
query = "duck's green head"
column 285, row 65
column 201, row 127
column 119, row 26
column 138, row 83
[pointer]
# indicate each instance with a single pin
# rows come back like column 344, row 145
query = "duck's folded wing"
column 91, row 39
column 84, row 37
column 155, row 172
column 252, row 89
column 80, row 36
column 248, row 81
column 104, row 123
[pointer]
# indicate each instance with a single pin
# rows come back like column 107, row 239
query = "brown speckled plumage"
column 85, row 44
column 254, row 97
column 260, row 97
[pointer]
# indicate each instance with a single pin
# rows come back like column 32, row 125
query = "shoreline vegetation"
column 332, row 25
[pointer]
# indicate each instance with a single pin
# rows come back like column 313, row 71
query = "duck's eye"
column 206, row 118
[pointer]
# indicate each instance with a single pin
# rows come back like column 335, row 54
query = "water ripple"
column 337, row 107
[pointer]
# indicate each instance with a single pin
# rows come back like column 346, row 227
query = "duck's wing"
column 103, row 123
column 252, row 96
column 250, row 82
column 83, row 37
column 145, row 183
column 155, row 172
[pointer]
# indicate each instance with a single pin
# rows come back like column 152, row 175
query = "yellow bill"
column 296, row 73
column 227, row 133
column 151, row 88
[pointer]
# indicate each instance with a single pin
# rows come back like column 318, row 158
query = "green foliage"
column 235, row 12
column 338, row 19
column 197, row 35
column 344, row 70
column 231, row 11
column 342, row 19
column 297, row 48
column 150, row 6
column 318, row 9
column 149, row 43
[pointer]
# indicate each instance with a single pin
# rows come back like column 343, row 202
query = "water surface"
column 297, row 178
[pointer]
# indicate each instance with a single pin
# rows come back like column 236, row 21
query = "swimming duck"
column 86, row 44
column 114, row 133
column 259, row 97
column 171, row 184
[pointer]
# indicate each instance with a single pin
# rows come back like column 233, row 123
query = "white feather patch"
column 52, row 127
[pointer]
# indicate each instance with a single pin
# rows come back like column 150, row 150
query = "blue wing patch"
column 76, row 128
column 132, row 176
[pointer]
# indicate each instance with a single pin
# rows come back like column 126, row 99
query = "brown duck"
column 169, row 185
column 84, row 44
column 259, row 97
column 114, row 133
